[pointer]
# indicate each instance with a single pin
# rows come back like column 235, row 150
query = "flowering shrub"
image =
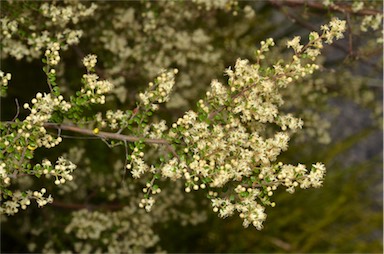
column 228, row 146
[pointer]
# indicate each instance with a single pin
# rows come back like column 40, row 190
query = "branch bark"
column 115, row 136
column 319, row 6
column 106, row 135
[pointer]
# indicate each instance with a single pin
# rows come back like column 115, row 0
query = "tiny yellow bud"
column 31, row 147
column 96, row 130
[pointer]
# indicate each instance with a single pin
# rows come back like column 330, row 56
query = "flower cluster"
column 295, row 44
column 89, row 229
column 249, row 210
column 265, row 45
column 70, row 13
column 8, row 27
column 174, row 170
column 17, row 45
column 95, row 89
column 373, row 22
column 93, row 92
column 52, row 53
column 158, row 130
column 90, row 62
column 147, row 203
column 162, row 26
column 18, row 148
column 334, row 30
column 61, row 171
column 3, row 175
column 331, row 31
column 71, row 37
column 357, row 6
column 137, row 165
column 5, row 78
column 42, row 109
column 22, row 200
column 102, row 225
column 159, row 90
column 368, row 21
column 116, row 119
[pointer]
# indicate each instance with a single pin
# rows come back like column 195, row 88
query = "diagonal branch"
column 109, row 135
column 333, row 7
column 105, row 135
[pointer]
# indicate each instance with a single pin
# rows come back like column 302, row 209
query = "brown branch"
column 105, row 135
column 350, row 39
column 109, row 135
column 333, row 7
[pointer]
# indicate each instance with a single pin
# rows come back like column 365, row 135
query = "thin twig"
column 350, row 45
column 48, row 81
column 105, row 135
column 77, row 137
column 125, row 164
column 17, row 110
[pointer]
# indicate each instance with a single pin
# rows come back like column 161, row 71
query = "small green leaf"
column 244, row 194
column 17, row 156
column 22, row 142
column 28, row 154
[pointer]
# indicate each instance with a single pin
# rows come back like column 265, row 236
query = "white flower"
column 90, row 61
column 295, row 44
